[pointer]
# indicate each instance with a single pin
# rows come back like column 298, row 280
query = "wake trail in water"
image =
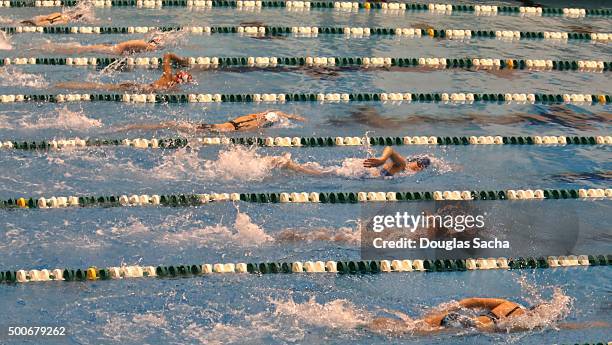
column 12, row 77
column 293, row 320
column 63, row 119
column 240, row 163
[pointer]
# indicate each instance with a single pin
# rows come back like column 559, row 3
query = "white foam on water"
column 233, row 163
column 82, row 12
column 10, row 76
column 64, row 118
column 168, row 39
column 131, row 226
column 221, row 334
column 244, row 233
column 284, row 122
column 248, row 232
column 5, row 41
column 5, row 122
column 288, row 322
column 241, row 163
column 123, row 328
column 336, row 314
column 546, row 313
column 13, row 238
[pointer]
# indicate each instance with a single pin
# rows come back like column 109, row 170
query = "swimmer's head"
column 182, row 77
column 272, row 116
column 419, row 163
column 157, row 41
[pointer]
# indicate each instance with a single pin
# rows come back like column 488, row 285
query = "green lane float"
column 190, row 200
column 175, row 143
column 93, row 273
column 329, row 62
column 302, row 31
column 408, row 97
column 394, row 7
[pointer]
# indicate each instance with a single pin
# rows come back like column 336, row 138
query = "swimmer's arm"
column 388, row 153
column 245, row 118
column 291, row 116
column 42, row 20
column 131, row 46
column 293, row 166
column 168, row 59
column 470, row 303
column 481, row 303
column 55, row 18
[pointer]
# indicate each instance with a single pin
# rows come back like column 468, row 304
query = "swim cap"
column 182, row 77
column 271, row 116
column 157, row 41
column 422, row 162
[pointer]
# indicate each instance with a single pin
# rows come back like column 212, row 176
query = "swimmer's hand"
column 291, row 116
column 373, row 162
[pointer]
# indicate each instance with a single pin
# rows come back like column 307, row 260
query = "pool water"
column 290, row 309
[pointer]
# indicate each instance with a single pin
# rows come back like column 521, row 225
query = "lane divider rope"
column 339, row 5
column 174, row 143
column 303, row 31
column 185, row 200
column 316, row 61
column 457, row 98
column 93, row 273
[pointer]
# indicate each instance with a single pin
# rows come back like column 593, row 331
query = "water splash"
column 336, row 314
column 168, row 39
column 244, row 233
column 233, row 163
column 543, row 316
column 284, row 123
column 130, row 328
column 83, row 12
column 132, row 226
column 12, row 77
column 288, row 322
column 248, row 232
column 64, row 119
column 240, row 163
column 5, row 41
column 544, row 313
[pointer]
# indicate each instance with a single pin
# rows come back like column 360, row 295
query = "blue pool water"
column 289, row 309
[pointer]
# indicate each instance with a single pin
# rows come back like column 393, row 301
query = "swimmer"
column 123, row 48
column 495, row 310
column 168, row 80
column 83, row 11
column 243, row 123
column 52, row 19
column 391, row 162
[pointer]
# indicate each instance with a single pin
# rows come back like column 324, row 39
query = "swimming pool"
column 290, row 308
